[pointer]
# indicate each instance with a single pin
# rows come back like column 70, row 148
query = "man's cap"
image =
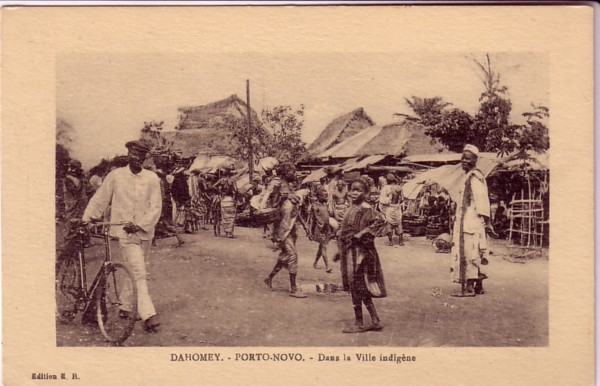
column 391, row 177
column 471, row 148
column 138, row 146
column 75, row 164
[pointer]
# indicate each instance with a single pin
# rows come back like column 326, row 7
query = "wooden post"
column 250, row 158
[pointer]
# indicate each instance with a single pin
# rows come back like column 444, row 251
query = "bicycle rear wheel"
column 116, row 305
column 68, row 289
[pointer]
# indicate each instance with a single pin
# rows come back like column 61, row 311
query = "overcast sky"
column 107, row 97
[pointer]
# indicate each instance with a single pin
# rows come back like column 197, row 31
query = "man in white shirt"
column 472, row 217
column 135, row 197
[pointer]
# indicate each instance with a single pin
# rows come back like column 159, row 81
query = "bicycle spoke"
column 117, row 305
column 68, row 290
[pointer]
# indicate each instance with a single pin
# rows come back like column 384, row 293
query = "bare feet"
column 375, row 326
column 269, row 283
column 297, row 294
column 354, row 329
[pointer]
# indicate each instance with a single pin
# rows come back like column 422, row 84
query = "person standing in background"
column 390, row 204
column 339, row 200
column 320, row 230
column 228, row 190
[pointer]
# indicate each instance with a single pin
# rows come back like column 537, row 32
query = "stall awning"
column 397, row 169
column 206, row 164
column 316, row 175
column 440, row 157
column 449, row 177
column 446, row 158
column 369, row 160
column 532, row 161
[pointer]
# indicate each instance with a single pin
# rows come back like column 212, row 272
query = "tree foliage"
column 427, row 110
column 490, row 129
column 492, row 118
column 260, row 138
column 534, row 134
column 450, row 129
column 286, row 126
column 152, row 133
column 64, row 133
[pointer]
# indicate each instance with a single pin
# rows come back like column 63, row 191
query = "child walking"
column 285, row 230
column 320, row 230
column 361, row 268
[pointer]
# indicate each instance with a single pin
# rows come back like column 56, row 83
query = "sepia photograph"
column 303, row 199
column 298, row 194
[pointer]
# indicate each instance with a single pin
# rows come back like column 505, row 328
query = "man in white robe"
column 472, row 217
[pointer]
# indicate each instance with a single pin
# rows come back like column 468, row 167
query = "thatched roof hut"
column 214, row 115
column 207, row 129
column 340, row 129
column 398, row 139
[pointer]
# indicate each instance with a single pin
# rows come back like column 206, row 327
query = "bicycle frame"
column 86, row 295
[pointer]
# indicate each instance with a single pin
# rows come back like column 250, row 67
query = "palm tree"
column 427, row 110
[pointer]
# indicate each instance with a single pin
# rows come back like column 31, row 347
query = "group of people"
column 335, row 209
column 199, row 200
column 386, row 197
column 361, row 222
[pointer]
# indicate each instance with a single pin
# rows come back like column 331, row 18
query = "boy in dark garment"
column 364, row 276
column 320, row 230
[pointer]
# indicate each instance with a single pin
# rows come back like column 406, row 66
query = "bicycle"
column 113, row 287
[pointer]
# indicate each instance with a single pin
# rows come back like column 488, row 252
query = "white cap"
column 473, row 149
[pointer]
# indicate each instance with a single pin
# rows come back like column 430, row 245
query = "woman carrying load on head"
column 228, row 190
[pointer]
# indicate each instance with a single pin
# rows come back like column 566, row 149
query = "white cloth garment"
column 135, row 254
column 470, row 223
column 135, row 198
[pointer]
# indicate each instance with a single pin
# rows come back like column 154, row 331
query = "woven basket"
column 266, row 216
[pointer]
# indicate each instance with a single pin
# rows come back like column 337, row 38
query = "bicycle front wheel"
column 68, row 289
column 116, row 305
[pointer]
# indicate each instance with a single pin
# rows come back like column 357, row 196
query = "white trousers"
column 135, row 253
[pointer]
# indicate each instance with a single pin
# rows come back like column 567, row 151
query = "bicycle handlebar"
column 80, row 222
column 104, row 223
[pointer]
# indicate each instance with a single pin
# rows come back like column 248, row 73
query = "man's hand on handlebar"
column 132, row 228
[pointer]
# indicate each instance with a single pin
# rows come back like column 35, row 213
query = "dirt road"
column 210, row 292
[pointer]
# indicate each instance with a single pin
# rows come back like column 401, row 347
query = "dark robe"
column 361, row 268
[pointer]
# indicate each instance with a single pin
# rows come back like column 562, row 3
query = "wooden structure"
column 526, row 229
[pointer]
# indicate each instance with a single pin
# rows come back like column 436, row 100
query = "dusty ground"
column 210, row 292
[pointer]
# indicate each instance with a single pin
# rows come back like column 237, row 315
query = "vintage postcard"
column 302, row 195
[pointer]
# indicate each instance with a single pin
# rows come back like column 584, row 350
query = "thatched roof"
column 402, row 138
column 206, row 129
column 214, row 114
column 351, row 146
column 340, row 129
